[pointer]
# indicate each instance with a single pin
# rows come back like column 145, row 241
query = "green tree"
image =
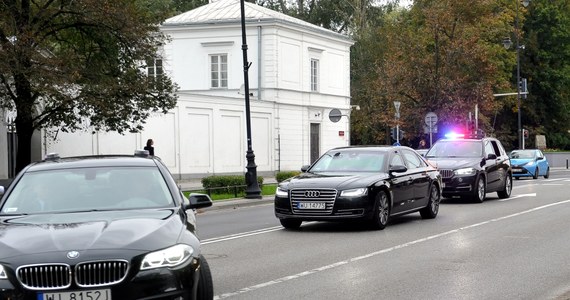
column 546, row 63
column 443, row 56
column 64, row 63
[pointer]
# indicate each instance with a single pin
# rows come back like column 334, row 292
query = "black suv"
column 100, row 227
column 472, row 167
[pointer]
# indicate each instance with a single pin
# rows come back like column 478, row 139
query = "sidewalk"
column 234, row 203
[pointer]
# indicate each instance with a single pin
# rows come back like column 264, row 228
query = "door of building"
column 315, row 141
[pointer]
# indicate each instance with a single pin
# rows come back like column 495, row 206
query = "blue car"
column 529, row 163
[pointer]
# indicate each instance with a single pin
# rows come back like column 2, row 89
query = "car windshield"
column 459, row 148
column 350, row 161
column 522, row 154
column 88, row 189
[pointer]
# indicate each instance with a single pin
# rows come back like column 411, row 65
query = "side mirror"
column 492, row 156
column 398, row 169
column 540, row 158
column 198, row 200
column 305, row 168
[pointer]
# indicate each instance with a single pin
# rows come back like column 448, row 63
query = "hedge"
column 226, row 183
column 280, row 176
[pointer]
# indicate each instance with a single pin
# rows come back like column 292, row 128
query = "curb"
column 238, row 203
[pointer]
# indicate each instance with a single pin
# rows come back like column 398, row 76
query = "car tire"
column 432, row 208
column 535, row 176
column 507, row 188
column 480, row 190
column 547, row 173
column 205, row 283
column 381, row 211
column 290, row 223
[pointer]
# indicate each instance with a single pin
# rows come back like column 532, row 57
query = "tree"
column 65, row 63
column 445, row 57
column 546, row 64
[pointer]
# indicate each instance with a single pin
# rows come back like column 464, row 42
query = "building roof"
column 229, row 11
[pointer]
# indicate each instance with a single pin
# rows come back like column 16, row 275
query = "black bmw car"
column 100, row 228
column 371, row 184
column 472, row 167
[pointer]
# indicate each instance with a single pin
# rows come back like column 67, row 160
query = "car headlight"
column 3, row 274
column 281, row 192
column 169, row 257
column 530, row 163
column 465, row 171
column 354, row 192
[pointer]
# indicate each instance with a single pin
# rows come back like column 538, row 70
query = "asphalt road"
column 516, row 248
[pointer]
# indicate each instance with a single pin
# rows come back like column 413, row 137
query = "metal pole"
column 521, row 145
column 252, row 190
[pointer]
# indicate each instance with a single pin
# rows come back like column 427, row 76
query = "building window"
column 314, row 75
column 219, row 70
column 154, row 68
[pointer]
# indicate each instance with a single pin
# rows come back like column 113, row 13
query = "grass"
column 266, row 190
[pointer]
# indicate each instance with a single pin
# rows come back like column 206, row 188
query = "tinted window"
column 88, row 189
column 459, row 148
column 413, row 160
column 350, row 161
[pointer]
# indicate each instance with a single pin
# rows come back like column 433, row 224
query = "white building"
column 298, row 73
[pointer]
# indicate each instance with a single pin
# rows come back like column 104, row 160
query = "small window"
column 219, row 71
column 413, row 160
column 314, row 75
column 154, row 67
column 396, row 160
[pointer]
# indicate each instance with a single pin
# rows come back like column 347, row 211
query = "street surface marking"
column 240, row 235
column 518, row 196
column 386, row 250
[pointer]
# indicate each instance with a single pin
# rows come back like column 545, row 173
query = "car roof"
column 92, row 161
column 370, row 147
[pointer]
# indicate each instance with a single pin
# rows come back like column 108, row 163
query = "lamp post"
column 507, row 44
column 252, row 190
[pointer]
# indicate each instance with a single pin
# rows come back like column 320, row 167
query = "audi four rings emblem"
column 312, row 194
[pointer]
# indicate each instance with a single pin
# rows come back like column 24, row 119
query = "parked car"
column 372, row 184
column 529, row 162
column 472, row 167
column 422, row 152
column 100, row 227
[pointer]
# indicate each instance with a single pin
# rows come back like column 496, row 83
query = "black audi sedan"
column 371, row 184
column 472, row 166
column 101, row 228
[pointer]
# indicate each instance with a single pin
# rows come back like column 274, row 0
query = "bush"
column 226, row 183
column 280, row 176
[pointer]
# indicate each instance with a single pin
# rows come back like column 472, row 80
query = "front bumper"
column 523, row 171
column 342, row 209
column 459, row 185
column 155, row 284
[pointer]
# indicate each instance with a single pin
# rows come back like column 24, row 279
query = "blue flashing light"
column 453, row 135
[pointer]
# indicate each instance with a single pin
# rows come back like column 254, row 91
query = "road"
column 516, row 248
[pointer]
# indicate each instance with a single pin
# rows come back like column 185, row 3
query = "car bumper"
column 155, row 284
column 458, row 186
column 523, row 171
column 342, row 209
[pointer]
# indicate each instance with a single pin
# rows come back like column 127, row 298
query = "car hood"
column 520, row 161
column 454, row 163
column 135, row 230
column 333, row 180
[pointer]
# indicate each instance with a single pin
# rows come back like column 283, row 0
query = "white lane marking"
column 372, row 254
column 518, row 196
column 553, row 184
column 240, row 235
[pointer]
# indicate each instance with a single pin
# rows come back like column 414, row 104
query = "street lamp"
column 252, row 190
column 507, row 44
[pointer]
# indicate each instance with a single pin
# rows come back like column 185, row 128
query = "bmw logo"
column 72, row 254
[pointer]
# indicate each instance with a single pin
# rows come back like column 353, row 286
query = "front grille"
column 446, row 173
column 326, row 196
column 45, row 277
column 59, row 276
column 99, row 273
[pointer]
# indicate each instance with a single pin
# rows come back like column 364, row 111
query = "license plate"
column 517, row 170
column 77, row 295
column 311, row 205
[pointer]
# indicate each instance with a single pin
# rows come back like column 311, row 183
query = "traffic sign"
column 431, row 119
column 335, row 115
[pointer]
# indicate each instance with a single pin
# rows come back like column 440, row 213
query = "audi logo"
column 312, row 194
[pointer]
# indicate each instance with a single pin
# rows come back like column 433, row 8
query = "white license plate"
column 77, row 295
column 517, row 170
column 311, row 205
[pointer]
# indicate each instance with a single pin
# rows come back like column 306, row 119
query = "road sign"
column 431, row 119
column 335, row 115
column 397, row 106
